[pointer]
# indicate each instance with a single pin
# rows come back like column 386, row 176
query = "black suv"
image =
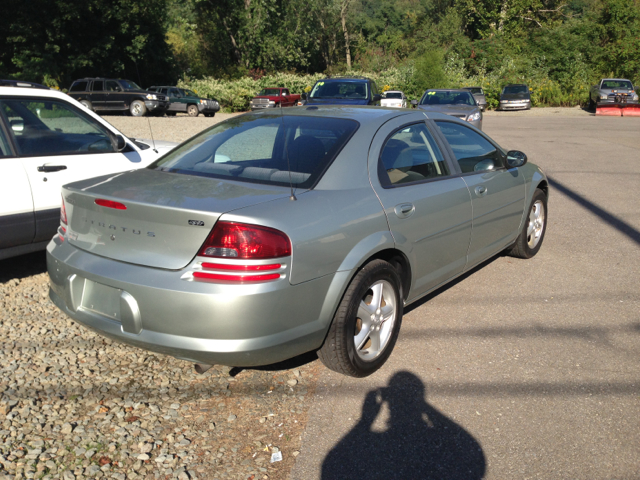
column 109, row 94
column 343, row 91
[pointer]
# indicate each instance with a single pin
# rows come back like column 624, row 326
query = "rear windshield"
column 337, row 89
column 393, row 95
column 273, row 92
column 269, row 149
column 433, row 97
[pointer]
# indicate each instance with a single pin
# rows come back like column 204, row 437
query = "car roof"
column 394, row 91
column 461, row 90
column 467, row 88
column 345, row 79
column 516, row 85
column 617, row 80
column 21, row 84
column 364, row 114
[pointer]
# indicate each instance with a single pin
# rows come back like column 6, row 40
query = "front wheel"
column 192, row 110
column 366, row 324
column 530, row 239
column 137, row 108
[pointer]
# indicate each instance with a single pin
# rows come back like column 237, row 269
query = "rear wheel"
column 137, row 108
column 530, row 239
column 366, row 325
column 192, row 110
column 86, row 104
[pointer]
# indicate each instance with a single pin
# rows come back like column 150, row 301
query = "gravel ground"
column 172, row 129
column 75, row 405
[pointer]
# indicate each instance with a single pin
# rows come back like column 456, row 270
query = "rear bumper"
column 235, row 325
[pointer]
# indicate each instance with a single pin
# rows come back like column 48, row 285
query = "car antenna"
column 151, row 132
column 286, row 151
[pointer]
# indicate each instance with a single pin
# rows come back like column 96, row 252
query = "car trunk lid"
column 166, row 216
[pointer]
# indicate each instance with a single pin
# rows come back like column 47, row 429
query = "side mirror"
column 376, row 98
column 516, row 158
column 414, row 102
column 120, row 143
column 17, row 125
column 303, row 96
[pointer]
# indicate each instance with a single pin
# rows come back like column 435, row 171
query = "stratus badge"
column 196, row 223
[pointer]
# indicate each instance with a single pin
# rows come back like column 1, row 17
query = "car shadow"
column 295, row 362
column 419, row 442
column 23, row 266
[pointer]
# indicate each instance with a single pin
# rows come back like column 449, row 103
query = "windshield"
column 333, row 89
column 617, row 84
column 129, row 85
column 269, row 92
column 515, row 89
column 269, row 149
column 476, row 91
column 393, row 95
column 189, row 93
column 447, row 97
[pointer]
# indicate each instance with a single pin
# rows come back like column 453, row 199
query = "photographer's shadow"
column 419, row 442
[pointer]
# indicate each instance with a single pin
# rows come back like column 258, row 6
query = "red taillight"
column 63, row 213
column 243, row 241
column 110, row 204
column 236, row 278
column 242, row 268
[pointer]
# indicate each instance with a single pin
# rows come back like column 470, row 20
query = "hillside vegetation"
column 230, row 49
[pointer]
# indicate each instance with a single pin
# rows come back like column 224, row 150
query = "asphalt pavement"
column 521, row 368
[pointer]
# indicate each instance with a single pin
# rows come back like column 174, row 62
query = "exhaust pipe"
column 202, row 367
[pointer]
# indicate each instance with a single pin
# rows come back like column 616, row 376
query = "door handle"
column 51, row 168
column 481, row 190
column 404, row 210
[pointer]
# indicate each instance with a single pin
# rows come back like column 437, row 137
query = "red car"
column 274, row 97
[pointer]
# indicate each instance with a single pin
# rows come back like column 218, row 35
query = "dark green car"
column 187, row 101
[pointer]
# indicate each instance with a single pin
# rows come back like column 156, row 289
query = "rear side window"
column 269, row 149
column 473, row 152
column 52, row 127
column 79, row 87
column 411, row 155
column 5, row 151
column 98, row 86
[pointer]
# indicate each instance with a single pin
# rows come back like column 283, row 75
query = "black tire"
column 592, row 104
column 528, row 243
column 137, row 108
column 339, row 352
column 86, row 104
column 192, row 110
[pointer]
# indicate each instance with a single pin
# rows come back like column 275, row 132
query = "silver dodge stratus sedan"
column 271, row 235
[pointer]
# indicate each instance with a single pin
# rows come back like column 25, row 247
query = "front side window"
column 267, row 149
column 335, row 89
column 52, row 127
column 129, row 85
column 473, row 152
column 79, row 87
column 174, row 92
column 411, row 155
column 112, row 86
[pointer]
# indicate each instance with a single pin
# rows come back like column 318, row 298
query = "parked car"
column 343, row 91
column 478, row 94
column 270, row 235
column 187, row 101
column 109, row 94
column 515, row 97
column 457, row 103
column 393, row 98
column 47, row 140
column 612, row 90
column 273, row 98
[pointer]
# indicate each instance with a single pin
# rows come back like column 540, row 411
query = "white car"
column 393, row 98
column 47, row 139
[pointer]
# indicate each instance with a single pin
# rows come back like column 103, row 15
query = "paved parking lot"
column 523, row 368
